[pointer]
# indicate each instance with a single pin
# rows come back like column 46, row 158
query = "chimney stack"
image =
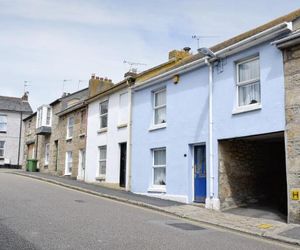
column 178, row 55
column 98, row 84
column 25, row 97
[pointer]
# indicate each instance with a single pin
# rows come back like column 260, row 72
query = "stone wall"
column 76, row 143
column 292, row 108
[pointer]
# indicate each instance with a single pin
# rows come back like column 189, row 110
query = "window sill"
column 157, row 189
column 69, row 139
column 124, row 125
column 246, row 108
column 158, row 126
column 102, row 130
column 3, row 132
column 100, row 178
column 67, row 174
column 82, row 135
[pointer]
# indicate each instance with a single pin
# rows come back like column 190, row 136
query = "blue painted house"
column 211, row 130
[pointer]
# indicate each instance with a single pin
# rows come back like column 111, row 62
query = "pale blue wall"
column 187, row 111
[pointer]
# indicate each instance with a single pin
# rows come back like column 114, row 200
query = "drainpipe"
column 210, row 131
column 20, row 134
column 129, row 140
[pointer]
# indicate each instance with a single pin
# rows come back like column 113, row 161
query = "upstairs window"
column 2, row 143
column 123, row 109
column 160, row 107
column 248, row 82
column 159, row 167
column 44, row 115
column 103, row 114
column 102, row 161
column 70, row 127
column 3, row 123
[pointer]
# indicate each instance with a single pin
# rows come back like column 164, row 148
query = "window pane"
column 1, row 152
column 71, row 121
column 249, row 70
column 159, row 176
column 70, row 132
column 102, row 165
column 160, row 157
column 249, row 94
column 48, row 116
column 103, row 121
column 2, row 144
column 103, row 107
column 160, row 115
column 160, row 98
column 3, row 119
column 3, row 126
column 102, row 152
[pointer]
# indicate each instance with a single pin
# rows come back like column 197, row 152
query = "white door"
column 81, row 165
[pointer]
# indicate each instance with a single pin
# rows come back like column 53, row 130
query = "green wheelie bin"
column 31, row 165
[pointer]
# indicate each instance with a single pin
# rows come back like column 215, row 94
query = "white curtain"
column 249, row 94
column 249, row 71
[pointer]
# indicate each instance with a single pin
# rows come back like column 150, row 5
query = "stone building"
column 290, row 47
column 12, row 112
column 45, row 134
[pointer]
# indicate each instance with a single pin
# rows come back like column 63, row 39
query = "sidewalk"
column 271, row 229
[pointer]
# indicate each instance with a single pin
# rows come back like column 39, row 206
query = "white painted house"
column 108, row 134
column 12, row 112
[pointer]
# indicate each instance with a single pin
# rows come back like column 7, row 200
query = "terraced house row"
column 220, row 127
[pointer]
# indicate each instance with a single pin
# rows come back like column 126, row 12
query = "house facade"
column 12, row 112
column 107, row 133
column 46, row 130
column 212, row 130
column 108, row 153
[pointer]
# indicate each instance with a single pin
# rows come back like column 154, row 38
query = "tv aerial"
column 134, row 64
column 196, row 37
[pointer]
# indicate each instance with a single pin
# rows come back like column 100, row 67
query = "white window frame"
column 4, row 123
column 158, row 187
column 68, row 163
column 123, row 120
column 101, row 115
column 70, row 127
column 240, row 84
column 2, row 149
column 47, row 153
column 100, row 160
column 155, row 108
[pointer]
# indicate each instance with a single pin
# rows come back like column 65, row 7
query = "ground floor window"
column 159, row 166
column 2, row 143
column 47, row 152
column 69, row 162
column 102, row 161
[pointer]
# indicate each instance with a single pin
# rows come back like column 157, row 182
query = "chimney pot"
column 101, row 78
column 187, row 49
column 97, row 77
column 93, row 76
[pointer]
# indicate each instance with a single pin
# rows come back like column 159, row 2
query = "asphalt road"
column 39, row 215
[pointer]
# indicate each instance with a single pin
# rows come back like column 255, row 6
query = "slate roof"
column 8, row 103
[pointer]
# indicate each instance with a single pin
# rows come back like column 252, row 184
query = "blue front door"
column 199, row 173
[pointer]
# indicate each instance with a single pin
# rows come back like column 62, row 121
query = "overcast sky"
column 48, row 41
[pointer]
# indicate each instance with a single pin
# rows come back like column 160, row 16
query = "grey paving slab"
column 292, row 233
